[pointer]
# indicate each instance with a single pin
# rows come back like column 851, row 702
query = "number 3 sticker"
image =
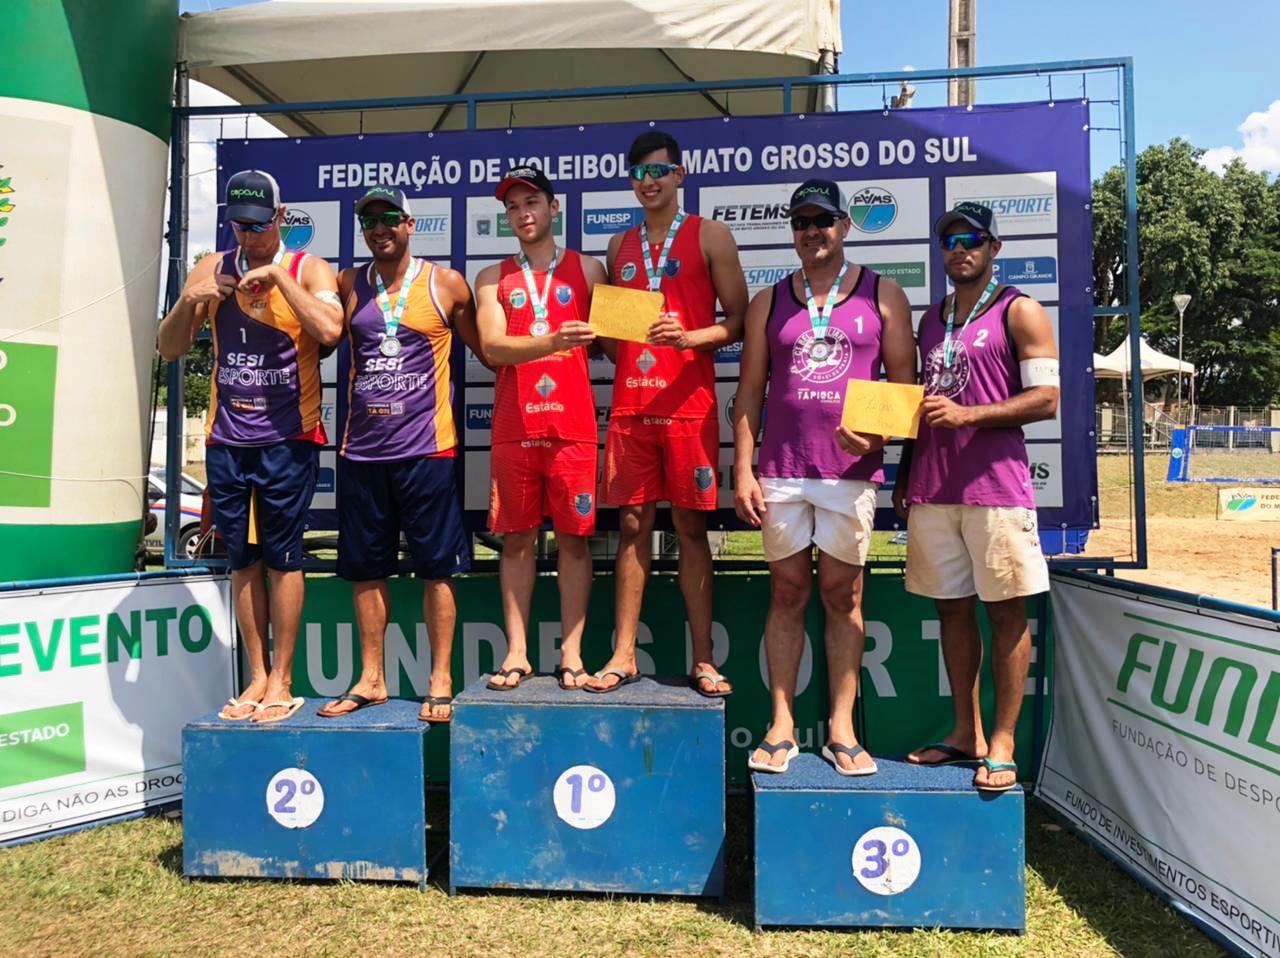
column 886, row 861
column 294, row 798
column 584, row 796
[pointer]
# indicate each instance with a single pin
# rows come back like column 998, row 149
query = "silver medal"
column 819, row 350
column 946, row 380
column 389, row 347
column 539, row 327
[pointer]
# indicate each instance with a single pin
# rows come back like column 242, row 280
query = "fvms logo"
column 873, row 210
column 297, row 230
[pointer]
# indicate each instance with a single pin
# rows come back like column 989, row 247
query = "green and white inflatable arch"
column 85, row 90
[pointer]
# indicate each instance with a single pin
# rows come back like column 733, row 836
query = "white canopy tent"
column 1154, row 364
column 294, row 51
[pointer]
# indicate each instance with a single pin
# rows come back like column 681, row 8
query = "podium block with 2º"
column 907, row 847
column 308, row 797
column 568, row 790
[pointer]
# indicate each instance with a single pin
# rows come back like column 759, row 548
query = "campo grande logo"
column 873, row 209
column 297, row 230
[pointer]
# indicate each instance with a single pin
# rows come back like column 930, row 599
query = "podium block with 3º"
column 308, row 797
column 568, row 790
column 907, row 847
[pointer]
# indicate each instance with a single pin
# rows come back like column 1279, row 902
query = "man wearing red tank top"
column 532, row 316
column 663, row 440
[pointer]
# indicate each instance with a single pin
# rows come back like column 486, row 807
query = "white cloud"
column 1261, row 150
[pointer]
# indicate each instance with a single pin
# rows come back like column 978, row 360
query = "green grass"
column 118, row 890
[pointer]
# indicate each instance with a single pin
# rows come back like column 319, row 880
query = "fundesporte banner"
column 96, row 683
column 899, row 169
column 1165, row 747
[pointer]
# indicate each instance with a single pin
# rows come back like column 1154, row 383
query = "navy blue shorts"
column 283, row 477
column 379, row 500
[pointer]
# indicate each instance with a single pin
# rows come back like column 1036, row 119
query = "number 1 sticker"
column 294, row 798
column 886, row 861
column 584, row 796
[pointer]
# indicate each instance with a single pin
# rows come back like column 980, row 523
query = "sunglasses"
column 962, row 241
column 655, row 171
column 253, row 227
column 390, row 219
column 824, row 221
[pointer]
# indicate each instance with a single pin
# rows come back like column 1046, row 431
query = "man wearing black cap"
column 989, row 366
column 396, row 465
column 271, row 311
column 806, row 337
column 532, row 314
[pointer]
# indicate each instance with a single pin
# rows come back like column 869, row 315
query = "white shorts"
column 836, row 515
column 954, row 552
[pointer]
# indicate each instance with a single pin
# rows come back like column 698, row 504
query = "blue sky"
column 1202, row 69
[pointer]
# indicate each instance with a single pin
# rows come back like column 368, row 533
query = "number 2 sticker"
column 294, row 798
column 886, row 861
column 584, row 796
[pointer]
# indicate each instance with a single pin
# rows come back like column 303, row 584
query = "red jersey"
column 549, row 397
column 662, row 380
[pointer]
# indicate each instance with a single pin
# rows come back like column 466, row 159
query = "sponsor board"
column 1030, row 265
column 96, row 682
column 329, row 413
column 1024, row 203
column 312, row 227
column 477, row 416
column 1045, row 462
column 1256, row 504
column 883, row 210
column 326, row 481
column 756, row 214
column 607, row 212
column 762, row 268
column 905, row 264
column 1048, row 428
column 432, row 234
column 329, row 369
column 489, row 232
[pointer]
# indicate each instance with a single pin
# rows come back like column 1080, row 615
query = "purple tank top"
column 806, row 397
column 971, row 467
column 399, row 407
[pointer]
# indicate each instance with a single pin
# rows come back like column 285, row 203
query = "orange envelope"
column 621, row 313
column 882, row 409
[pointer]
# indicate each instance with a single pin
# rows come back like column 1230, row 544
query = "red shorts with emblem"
column 533, row 478
column 648, row 458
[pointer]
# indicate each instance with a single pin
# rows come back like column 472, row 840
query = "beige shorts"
column 836, row 515
column 956, row 551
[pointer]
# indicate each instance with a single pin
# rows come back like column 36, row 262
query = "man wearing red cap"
column 532, row 317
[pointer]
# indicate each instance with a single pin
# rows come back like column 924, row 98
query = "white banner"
column 1165, row 747
column 96, row 683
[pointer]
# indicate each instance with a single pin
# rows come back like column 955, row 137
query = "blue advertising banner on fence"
column 899, row 169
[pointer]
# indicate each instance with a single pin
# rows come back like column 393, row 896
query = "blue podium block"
column 308, row 797
column 907, row 847
column 566, row 790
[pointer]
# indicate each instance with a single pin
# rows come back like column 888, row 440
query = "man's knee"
column 573, row 547
column 839, row 596
column 1008, row 618
column 956, row 609
column 635, row 522
column 519, row 545
column 790, row 591
column 689, row 523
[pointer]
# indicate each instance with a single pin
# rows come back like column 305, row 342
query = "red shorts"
column 647, row 458
column 533, row 478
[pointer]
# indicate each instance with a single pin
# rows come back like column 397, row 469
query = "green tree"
column 1216, row 237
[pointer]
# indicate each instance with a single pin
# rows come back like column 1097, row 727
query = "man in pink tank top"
column 827, row 323
column 989, row 366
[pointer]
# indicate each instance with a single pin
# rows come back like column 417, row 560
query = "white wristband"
column 1040, row 371
column 328, row 296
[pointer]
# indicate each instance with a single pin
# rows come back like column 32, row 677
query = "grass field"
column 118, row 890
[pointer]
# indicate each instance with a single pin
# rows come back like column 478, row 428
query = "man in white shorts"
column 989, row 367
column 806, row 337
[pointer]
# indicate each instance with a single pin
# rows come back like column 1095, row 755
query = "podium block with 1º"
column 555, row 789
column 907, row 847
column 308, row 797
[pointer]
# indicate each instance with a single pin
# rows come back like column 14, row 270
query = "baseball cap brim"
column 510, row 181
column 951, row 217
column 818, row 200
column 364, row 201
column 244, row 213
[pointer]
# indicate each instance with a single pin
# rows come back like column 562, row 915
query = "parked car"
column 192, row 500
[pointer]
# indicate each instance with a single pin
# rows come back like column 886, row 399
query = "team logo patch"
column 645, row 361
column 582, row 504
column 673, row 268
column 942, row 381
column 703, row 477
column 518, row 298
column 564, row 295
column 545, row 386
column 628, row 272
column 822, row 366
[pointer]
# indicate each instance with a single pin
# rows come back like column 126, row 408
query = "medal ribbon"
column 948, row 344
column 655, row 271
column 819, row 321
column 242, row 261
column 391, row 315
column 539, row 302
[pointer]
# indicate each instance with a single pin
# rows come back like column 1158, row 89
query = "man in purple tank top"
column 989, row 366
column 806, row 337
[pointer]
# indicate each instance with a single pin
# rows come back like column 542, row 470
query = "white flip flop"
column 773, row 749
column 853, row 751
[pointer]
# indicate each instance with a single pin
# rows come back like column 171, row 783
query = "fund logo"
column 873, row 209
column 606, row 222
column 297, row 229
column 479, row 415
column 1241, row 503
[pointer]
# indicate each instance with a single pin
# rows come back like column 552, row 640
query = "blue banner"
column 899, row 169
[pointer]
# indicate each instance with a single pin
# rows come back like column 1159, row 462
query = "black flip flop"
column 954, row 756
column 438, row 700
column 360, row 701
column 560, row 672
column 506, row 674
column 624, row 678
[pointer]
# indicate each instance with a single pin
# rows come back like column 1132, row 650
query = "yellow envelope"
column 882, row 409
column 620, row 313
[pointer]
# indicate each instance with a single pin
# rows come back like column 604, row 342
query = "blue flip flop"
column 773, row 749
column 954, row 756
column 997, row 767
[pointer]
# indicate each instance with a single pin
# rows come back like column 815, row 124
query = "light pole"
column 1180, row 300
